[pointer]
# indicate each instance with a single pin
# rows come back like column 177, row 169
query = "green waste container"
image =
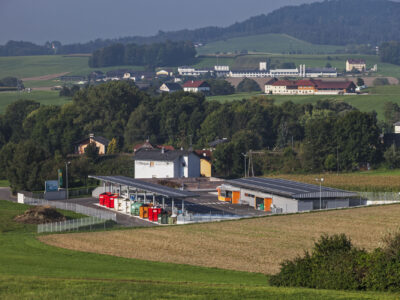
column 164, row 219
column 135, row 208
column 261, row 207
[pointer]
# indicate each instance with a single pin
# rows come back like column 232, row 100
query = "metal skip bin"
column 111, row 200
column 155, row 213
column 135, row 209
column 144, row 211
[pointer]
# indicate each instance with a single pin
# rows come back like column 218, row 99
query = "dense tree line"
column 390, row 52
column 158, row 54
column 291, row 137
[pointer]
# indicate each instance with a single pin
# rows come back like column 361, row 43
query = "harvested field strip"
column 352, row 181
column 255, row 245
column 45, row 77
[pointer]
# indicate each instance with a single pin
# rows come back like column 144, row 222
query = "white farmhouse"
column 161, row 163
column 196, row 86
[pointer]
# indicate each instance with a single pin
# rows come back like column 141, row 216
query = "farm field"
column 44, row 97
column 44, row 65
column 368, row 181
column 252, row 245
column 270, row 43
column 30, row 269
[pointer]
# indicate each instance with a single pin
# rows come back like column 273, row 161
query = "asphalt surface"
column 205, row 203
column 122, row 219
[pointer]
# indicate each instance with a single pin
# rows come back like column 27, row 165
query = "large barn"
column 283, row 196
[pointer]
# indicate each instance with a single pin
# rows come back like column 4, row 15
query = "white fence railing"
column 198, row 218
column 379, row 197
column 75, row 224
column 89, row 211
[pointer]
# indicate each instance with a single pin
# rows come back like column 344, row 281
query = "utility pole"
column 320, row 180
column 337, row 160
column 66, row 176
column 245, row 158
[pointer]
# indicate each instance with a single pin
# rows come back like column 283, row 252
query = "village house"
column 309, row 87
column 101, row 144
column 162, row 163
column 170, row 87
column 356, row 64
column 205, row 162
column 196, row 86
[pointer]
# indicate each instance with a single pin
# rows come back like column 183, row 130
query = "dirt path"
column 45, row 77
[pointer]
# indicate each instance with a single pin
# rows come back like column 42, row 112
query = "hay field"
column 254, row 245
column 372, row 181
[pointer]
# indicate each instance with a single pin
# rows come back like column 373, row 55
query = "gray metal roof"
column 145, row 186
column 158, row 155
column 289, row 188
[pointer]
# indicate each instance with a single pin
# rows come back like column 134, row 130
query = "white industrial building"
column 284, row 196
column 161, row 163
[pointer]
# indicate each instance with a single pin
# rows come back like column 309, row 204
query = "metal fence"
column 198, row 218
column 379, row 197
column 89, row 211
column 75, row 224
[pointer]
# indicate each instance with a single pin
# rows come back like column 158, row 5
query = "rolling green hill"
column 266, row 43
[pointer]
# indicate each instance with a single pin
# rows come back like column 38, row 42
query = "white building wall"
column 154, row 169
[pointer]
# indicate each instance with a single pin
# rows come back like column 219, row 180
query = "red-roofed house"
column 310, row 87
column 196, row 86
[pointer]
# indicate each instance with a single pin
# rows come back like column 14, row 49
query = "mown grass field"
column 30, row 269
column 270, row 43
column 41, row 65
column 368, row 181
column 44, row 97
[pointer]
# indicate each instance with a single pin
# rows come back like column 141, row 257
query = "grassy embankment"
column 30, row 269
column 267, row 43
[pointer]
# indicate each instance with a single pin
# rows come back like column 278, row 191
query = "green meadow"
column 269, row 43
column 44, row 97
column 30, row 269
column 374, row 101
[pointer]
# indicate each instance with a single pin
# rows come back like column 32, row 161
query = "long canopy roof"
column 289, row 188
column 145, row 186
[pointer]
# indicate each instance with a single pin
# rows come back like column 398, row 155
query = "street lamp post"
column 245, row 157
column 66, row 176
column 320, row 180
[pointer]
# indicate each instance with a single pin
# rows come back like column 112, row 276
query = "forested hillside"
column 333, row 22
column 35, row 139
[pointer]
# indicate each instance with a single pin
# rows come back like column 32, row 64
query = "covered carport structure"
column 136, row 189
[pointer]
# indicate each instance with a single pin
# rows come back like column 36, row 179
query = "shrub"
column 380, row 81
column 334, row 263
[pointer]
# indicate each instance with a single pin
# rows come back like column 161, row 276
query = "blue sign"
column 51, row 185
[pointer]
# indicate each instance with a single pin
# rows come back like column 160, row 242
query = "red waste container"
column 102, row 198
column 111, row 199
column 151, row 215
column 155, row 214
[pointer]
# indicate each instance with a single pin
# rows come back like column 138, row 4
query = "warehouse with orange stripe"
column 284, row 196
